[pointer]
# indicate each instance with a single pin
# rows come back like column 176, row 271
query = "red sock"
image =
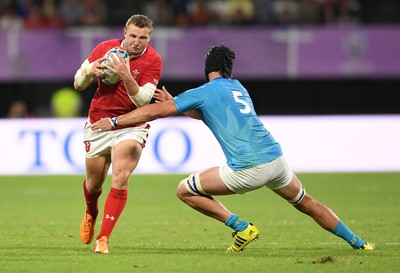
column 113, row 208
column 91, row 201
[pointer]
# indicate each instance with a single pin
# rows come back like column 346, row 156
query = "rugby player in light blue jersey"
column 254, row 158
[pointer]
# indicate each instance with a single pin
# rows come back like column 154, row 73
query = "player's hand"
column 162, row 95
column 97, row 68
column 103, row 124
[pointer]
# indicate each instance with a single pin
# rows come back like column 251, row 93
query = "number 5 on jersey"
column 246, row 108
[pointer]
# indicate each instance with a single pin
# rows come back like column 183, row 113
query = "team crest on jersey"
column 87, row 146
column 135, row 73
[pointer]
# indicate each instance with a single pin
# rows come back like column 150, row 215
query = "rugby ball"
column 111, row 78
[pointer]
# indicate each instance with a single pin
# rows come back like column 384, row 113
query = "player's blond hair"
column 141, row 21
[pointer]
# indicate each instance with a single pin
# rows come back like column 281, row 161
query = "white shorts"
column 274, row 175
column 99, row 143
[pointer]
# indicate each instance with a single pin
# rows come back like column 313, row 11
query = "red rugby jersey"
column 113, row 100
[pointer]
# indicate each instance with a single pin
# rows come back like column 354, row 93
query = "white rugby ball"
column 111, row 78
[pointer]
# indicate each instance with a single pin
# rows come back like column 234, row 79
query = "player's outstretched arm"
column 163, row 95
column 142, row 114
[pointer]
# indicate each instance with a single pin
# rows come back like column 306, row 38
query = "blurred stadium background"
column 296, row 57
column 366, row 92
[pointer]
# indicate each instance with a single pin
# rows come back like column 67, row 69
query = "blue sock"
column 344, row 232
column 236, row 223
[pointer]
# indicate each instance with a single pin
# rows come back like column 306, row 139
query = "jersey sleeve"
column 152, row 73
column 96, row 53
column 192, row 99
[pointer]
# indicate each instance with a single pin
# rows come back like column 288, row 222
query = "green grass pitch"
column 40, row 217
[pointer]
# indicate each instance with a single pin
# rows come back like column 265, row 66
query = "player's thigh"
column 96, row 143
column 125, row 156
column 291, row 190
column 212, row 183
column 96, row 171
column 127, row 147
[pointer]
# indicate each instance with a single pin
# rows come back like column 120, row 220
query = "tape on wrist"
column 89, row 70
column 113, row 122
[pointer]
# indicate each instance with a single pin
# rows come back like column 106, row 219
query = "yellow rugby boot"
column 243, row 238
column 367, row 246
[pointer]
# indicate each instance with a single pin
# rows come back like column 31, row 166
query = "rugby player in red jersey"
column 139, row 74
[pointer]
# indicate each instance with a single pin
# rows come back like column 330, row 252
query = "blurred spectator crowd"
column 33, row 14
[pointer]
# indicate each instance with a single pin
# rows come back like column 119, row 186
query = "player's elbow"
column 77, row 87
column 144, row 95
column 82, row 81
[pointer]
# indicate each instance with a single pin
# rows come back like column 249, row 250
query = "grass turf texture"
column 40, row 217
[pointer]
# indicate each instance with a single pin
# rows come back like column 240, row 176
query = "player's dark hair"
column 220, row 59
column 141, row 21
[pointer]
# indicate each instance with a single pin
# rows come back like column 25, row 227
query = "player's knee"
column 190, row 186
column 181, row 192
column 120, row 179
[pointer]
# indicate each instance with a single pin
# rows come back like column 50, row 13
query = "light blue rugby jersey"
column 227, row 109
